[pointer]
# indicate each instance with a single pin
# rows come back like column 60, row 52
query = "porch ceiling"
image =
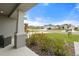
column 7, row 8
column 24, row 7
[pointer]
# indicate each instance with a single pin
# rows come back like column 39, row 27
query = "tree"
column 49, row 28
column 76, row 28
column 25, row 27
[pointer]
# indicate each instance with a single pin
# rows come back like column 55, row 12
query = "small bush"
column 60, row 48
column 43, row 42
column 39, row 39
column 32, row 40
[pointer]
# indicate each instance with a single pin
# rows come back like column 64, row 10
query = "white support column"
column 20, row 36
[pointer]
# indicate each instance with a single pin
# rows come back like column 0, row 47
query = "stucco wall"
column 7, row 26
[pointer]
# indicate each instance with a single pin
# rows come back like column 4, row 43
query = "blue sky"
column 53, row 13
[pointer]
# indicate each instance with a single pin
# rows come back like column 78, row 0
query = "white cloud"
column 73, row 22
column 45, row 4
column 33, row 23
column 39, row 19
column 26, row 17
column 25, row 21
column 77, row 6
column 37, row 22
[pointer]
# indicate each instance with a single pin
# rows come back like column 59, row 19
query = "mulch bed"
column 37, row 50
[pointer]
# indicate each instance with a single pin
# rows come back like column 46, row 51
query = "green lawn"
column 33, row 30
column 65, row 37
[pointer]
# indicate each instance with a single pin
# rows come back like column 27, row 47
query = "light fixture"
column 1, row 11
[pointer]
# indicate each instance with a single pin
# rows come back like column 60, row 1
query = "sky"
column 53, row 13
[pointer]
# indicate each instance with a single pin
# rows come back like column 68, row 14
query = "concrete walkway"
column 76, row 47
column 10, row 51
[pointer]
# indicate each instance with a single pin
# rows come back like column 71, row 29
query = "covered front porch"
column 12, row 25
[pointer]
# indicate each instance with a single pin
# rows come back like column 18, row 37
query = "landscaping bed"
column 37, row 50
column 48, row 45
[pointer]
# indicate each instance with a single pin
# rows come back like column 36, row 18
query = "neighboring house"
column 59, row 27
column 69, row 26
column 77, row 26
column 48, row 26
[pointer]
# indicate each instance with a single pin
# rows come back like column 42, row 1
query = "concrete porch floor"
column 10, row 51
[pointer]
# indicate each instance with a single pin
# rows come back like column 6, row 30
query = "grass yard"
column 33, row 30
column 42, row 30
column 72, row 38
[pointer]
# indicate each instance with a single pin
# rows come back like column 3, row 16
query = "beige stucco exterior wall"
column 7, row 26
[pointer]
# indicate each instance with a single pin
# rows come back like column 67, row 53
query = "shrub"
column 57, row 47
column 39, row 39
column 32, row 40
column 60, row 48
column 43, row 42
